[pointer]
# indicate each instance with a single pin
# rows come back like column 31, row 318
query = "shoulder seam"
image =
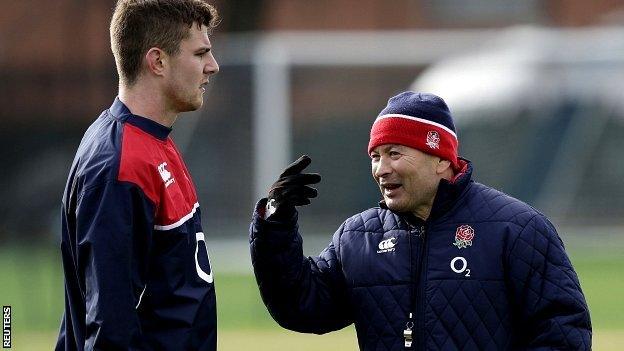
column 105, row 182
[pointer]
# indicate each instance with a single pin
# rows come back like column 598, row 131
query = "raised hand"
column 292, row 188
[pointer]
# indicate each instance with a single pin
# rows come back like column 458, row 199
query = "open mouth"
column 390, row 189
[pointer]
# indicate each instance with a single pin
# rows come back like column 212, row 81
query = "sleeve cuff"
column 279, row 226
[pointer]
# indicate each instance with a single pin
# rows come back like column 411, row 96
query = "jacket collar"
column 448, row 192
column 121, row 112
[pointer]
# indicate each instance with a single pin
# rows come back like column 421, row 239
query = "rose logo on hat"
column 463, row 236
column 433, row 139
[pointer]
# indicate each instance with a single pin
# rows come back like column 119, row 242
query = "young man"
column 137, row 272
column 444, row 263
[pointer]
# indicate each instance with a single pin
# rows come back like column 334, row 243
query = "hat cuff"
column 429, row 137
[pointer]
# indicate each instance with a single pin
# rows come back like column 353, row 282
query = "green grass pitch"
column 32, row 285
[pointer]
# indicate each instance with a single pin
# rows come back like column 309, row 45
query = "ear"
column 442, row 166
column 156, row 60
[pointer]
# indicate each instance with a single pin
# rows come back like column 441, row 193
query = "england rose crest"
column 433, row 139
column 463, row 236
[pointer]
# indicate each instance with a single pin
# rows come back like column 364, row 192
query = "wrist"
column 277, row 230
column 270, row 208
column 274, row 211
column 282, row 214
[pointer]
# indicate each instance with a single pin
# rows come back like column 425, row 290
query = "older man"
column 444, row 263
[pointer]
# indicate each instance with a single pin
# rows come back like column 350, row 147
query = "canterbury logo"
column 165, row 174
column 387, row 245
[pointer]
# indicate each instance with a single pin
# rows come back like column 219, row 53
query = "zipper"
column 416, row 263
column 420, row 283
column 409, row 325
column 408, row 332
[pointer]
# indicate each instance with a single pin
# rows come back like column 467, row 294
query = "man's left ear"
column 442, row 166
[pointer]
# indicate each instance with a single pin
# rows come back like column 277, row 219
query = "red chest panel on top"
column 157, row 168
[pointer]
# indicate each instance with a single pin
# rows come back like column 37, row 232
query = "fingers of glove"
column 297, row 180
column 298, row 200
column 309, row 192
column 293, row 194
column 300, row 179
column 295, row 191
column 295, row 201
column 297, row 166
column 301, row 201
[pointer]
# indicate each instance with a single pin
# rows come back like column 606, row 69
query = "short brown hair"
column 138, row 25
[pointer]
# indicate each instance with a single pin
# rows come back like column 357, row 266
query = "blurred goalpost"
column 275, row 54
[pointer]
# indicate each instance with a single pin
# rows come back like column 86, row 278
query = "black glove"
column 292, row 187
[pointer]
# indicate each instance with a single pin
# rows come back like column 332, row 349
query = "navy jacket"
column 137, row 272
column 484, row 272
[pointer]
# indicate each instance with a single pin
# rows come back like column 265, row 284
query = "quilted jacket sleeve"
column 307, row 295
column 549, row 307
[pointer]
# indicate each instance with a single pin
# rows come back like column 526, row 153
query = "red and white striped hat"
column 418, row 120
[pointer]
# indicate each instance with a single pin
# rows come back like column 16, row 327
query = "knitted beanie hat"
column 418, row 120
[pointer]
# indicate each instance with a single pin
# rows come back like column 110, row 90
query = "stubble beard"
column 187, row 102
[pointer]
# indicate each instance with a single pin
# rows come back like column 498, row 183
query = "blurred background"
column 535, row 87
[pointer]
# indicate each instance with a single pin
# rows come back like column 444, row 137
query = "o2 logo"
column 459, row 265
column 202, row 259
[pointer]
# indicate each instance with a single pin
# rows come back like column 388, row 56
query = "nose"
column 212, row 67
column 381, row 168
